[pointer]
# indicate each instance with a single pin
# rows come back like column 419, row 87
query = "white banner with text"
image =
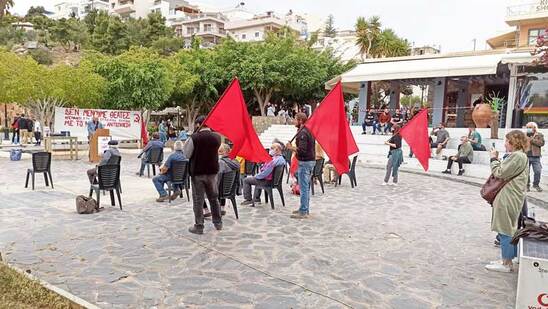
column 123, row 125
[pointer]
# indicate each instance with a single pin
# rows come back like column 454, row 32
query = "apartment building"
column 78, row 8
column 529, row 19
column 256, row 28
column 210, row 27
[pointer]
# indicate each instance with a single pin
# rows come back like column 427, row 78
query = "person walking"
column 508, row 203
column 536, row 142
column 37, row 132
column 15, row 126
column 305, row 152
column 23, row 125
column 395, row 156
column 202, row 149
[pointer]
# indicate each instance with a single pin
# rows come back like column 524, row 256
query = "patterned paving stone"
column 420, row 245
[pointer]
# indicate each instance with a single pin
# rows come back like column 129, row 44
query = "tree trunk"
column 263, row 97
column 44, row 111
column 191, row 114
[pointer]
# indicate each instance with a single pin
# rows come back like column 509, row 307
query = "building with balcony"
column 529, row 19
column 209, row 27
column 78, row 8
column 255, row 29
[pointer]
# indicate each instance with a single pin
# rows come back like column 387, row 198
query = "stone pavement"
column 422, row 244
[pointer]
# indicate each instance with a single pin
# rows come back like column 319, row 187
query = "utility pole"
column 475, row 41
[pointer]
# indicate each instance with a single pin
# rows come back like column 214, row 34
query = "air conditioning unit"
column 533, row 275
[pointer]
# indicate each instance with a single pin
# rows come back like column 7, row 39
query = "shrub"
column 42, row 56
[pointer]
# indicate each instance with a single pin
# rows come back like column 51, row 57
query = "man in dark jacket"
column 306, row 156
column 155, row 143
column 202, row 149
column 536, row 142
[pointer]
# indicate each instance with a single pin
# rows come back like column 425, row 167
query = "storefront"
column 455, row 82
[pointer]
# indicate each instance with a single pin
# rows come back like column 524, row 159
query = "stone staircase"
column 374, row 152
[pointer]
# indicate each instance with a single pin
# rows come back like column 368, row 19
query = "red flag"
column 230, row 118
column 329, row 126
column 144, row 133
column 415, row 133
column 294, row 166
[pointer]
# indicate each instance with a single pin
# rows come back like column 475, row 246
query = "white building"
column 343, row 45
column 256, row 28
column 78, row 8
column 210, row 27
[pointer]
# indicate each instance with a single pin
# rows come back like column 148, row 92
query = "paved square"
column 420, row 245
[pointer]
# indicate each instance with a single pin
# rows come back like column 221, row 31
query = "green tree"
column 167, row 46
column 90, row 20
column 34, row 11
column 388, row 44
column 329, row 30
column 42, row 56
column 137, row 35
column 135, row 79
column 411, row 100
column 367, row 31
column 110, row 34
column 156, row 28
column 5, row 5
column 201, row 81
column 70, row 33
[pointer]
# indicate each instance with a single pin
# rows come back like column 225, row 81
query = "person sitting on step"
column 464, row 155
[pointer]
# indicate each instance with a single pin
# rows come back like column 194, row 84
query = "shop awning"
column 423, row 67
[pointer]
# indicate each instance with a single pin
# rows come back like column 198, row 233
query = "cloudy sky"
column 453, row 24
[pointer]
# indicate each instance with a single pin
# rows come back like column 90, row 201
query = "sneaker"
column 395, row 184
column 514, row 260
column 446, row 172
column 363, row 133
column 461, row 172
column 499, row 267
column 384, row 184
column 295, row 212
column 218, row 226
column 196, row 230
column 162, row 199
column 246, row 202
column 539, row 189
column 299, row 216
column 175, row 195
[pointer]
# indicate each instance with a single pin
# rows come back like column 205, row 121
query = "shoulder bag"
column 493, row 185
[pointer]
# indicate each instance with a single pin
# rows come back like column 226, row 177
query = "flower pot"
column 482, row 115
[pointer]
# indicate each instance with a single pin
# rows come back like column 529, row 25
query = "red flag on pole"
column 415, row 133
column 329, row 126
column 144, row 132
column 230, row 118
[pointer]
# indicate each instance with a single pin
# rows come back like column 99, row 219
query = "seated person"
column 164, row 176
column 155, row 143
column 384, row 121
column 112, row 150
column 266, row 172
column 475, row 139
column 370, row 121
column 330, row 173
column 465, row 155
column 226, row 164
column 442, row 138
column 397, row 119
column 183, row 135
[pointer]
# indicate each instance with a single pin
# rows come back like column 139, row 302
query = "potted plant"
column 496, row 103
column 482, row 114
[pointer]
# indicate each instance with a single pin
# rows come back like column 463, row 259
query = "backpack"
column 15, row 154
column 86, row 205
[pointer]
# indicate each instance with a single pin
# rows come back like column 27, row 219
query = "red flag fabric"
column 294, row 166
column 144, row 133
column 415, row 133
column 329, row 126
column 230, row 118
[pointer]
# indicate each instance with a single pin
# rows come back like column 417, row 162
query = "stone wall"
column 262, row 123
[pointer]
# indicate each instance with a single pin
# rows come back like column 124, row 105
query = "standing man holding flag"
column 305, row 151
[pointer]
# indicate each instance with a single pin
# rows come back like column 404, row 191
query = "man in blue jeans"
column 164, row 176
column 155, row 143
column 306, row 156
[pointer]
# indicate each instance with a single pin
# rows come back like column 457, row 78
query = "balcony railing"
column 538, row 7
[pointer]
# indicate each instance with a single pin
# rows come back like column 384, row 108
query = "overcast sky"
column 453, row 24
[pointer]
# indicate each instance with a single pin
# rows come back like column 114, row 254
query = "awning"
column 405, row 68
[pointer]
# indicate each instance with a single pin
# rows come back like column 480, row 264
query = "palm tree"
column 388, row 44
column 4, row 6
column 367, row 32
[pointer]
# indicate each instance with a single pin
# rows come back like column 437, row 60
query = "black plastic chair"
column 317, row 173
column 351, row 173
column 155, row 157
column 227, row 188
column 287, row 154
column 179, row 177
column 41, row 163
column 276, row 183
column 250, row 168
column 108, row 180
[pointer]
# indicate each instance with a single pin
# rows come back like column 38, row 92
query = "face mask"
column 529, row 131
column 271, row 152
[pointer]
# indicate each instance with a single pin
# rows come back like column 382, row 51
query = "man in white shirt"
column 37, row 131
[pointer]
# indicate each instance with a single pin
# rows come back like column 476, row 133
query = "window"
column 244, row 36
column 207, row 27
column 257, row 34
column 534, row 34
column 190, row 30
